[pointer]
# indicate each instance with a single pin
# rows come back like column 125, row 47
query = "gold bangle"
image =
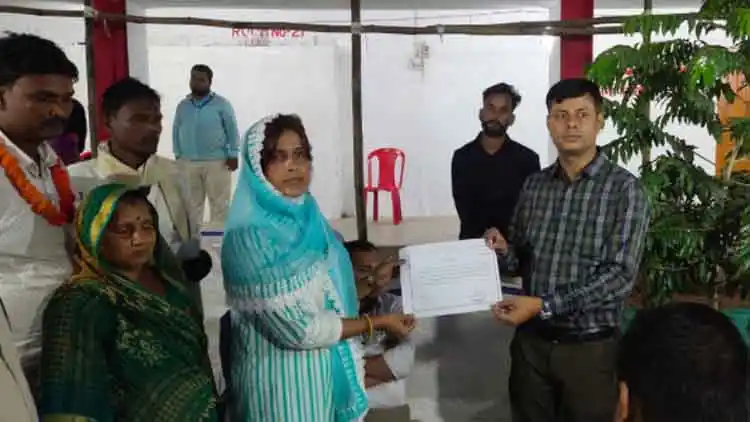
column 370, row 328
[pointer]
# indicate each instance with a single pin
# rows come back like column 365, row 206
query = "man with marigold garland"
column 36, row 98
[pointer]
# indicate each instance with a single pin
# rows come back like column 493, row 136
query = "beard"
column 494, row 129
column 200, row 92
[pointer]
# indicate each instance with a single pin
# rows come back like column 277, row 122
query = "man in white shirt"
column 15, row 395
column 16, row 402
column 132, row 113
column 388, row 361
column 36, row 97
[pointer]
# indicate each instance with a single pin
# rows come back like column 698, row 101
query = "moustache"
column 54, row 122
column 493, row 123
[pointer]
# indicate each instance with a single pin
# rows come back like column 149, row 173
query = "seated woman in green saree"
column 123, row 340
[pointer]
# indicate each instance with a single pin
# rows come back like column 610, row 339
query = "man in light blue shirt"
column 204, row 140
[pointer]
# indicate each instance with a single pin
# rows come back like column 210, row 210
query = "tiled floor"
column 411, row 231
column 462, row 362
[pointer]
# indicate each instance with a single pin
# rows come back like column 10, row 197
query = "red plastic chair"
column 387, row 159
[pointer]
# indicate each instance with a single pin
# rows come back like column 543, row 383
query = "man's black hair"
column 125, row 91
column 503, row 89
column 26, row 55
column 203, row 68
column 360, row 246
column 685, row 362
column 574, row 88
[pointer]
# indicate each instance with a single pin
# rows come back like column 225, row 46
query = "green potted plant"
column 698, row 245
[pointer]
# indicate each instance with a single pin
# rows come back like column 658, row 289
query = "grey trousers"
column 553, row 382
column 394, row 414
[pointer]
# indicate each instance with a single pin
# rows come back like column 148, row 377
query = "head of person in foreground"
column 682, row 362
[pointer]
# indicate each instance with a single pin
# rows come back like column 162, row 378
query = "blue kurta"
column 289, row 283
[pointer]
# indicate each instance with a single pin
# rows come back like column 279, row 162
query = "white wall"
column 554, row 68
column 428, row 113
column 137, row 43
column 250, row 78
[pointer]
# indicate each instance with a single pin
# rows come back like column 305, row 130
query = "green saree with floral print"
column 114, row 351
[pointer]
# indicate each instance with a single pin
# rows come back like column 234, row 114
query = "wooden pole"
column 357, row 130
column 90, row 78
column 648, row 6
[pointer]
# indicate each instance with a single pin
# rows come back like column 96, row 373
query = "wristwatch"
column 546, row 312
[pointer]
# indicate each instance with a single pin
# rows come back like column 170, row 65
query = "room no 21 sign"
column 267, row 37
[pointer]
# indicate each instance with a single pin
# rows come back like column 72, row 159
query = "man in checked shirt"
column 577, row 237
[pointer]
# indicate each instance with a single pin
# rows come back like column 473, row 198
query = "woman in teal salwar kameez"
column 295, row 325
column 123, row 340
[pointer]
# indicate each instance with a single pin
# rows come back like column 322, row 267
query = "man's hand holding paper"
column 515, row 310
column 495, row 240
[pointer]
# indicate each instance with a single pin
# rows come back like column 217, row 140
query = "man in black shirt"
column 488, row 172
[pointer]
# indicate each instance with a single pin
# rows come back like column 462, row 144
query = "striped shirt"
column 578, row 245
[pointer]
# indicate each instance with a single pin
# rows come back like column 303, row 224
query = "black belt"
column 554, row 334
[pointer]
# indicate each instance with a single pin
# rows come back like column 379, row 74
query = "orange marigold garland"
column 40, row 204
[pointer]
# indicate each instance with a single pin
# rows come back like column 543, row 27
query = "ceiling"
column 405, row 4
column 344, row 4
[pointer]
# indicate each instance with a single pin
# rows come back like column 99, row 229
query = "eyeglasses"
column 378, row 276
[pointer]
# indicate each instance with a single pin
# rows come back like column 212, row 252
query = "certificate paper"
column 449, row 278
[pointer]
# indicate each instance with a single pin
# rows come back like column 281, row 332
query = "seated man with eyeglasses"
column 388, row 361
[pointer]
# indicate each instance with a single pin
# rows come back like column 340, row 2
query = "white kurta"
column 33, row 255
column 17, row 403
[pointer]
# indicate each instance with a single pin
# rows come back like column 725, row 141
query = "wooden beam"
column 648, row 7
column 91, row 79
column 599, row 25
column 357, row 129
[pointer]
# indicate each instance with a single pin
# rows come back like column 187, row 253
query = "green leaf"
column 700, row 225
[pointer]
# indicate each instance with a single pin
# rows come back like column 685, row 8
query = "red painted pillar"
column 576, row 52
column 110, row 42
